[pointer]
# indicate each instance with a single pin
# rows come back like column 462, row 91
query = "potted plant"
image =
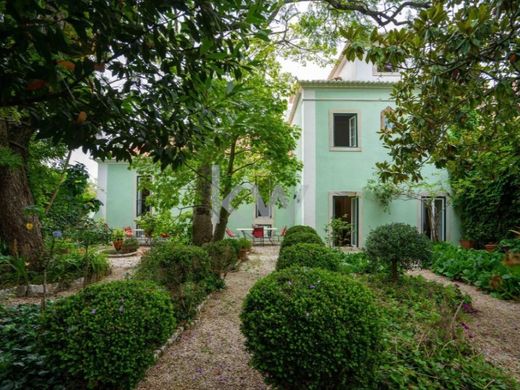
column 467, row 243
column 117, row 238
column 490, row 246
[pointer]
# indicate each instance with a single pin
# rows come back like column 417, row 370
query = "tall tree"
column 252, row 144
column 111, row 77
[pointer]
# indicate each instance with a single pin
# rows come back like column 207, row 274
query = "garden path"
column 211, row 354
column 495, row 329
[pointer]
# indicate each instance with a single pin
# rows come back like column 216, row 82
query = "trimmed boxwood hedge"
column 300, row 238
column 186, row 271
column 308, row 328
column 105, row 336
column 309, row 255
column 299, row 229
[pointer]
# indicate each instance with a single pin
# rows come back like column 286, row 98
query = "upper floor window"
column 386, row 69
column 345, row 130
column 385, row 122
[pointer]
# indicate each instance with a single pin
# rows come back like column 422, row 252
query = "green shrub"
column 171, row 264
column 358, row 262
column 95, row 266
column 309, row 255
column 309, row 328
column 22, row 364
column 105, row 336
column 423, row 348
column 244, row 243
column 235, row 244
column 177, row 267
column 480, row 268
column 223, row 256
column 299, row 229
column 300, row 238
column 397, row 246
column 130, row 245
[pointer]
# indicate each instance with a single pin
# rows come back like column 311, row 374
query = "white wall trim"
column 309, row 158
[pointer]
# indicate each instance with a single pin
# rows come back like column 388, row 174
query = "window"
column 345, row 130
column 386, row 68
column 346, row 207
column 433, row 217
column 263, row 210
column 142, row 194
column 385, row 123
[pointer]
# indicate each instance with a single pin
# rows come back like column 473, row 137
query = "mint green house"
column 339, row 147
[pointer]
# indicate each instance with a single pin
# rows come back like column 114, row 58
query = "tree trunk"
column 22, row 232
column 202, row 226
column 220, row 229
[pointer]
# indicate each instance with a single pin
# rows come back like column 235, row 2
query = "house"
column 340, row 117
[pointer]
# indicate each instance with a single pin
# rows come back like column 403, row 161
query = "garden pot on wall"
column 490, row 247
column 467, row 244
column 117, row 244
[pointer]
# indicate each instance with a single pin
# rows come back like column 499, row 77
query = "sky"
column 308, row 72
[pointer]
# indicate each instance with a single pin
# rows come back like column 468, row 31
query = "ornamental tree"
column 112, row 77
column 251, row 143
column 398, row 246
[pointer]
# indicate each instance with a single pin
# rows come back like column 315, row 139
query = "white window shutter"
column 353, row 131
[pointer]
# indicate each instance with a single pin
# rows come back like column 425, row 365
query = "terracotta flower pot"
column 118, row 244
column 467, row 244
column 242, row 254
column 490, row 247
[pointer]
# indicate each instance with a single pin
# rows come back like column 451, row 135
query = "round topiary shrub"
column 105, row 336
column 398, row 246
column 300, row 238
column 309, row 255
column 308, row 328
column 223, row 256
column 300, row 229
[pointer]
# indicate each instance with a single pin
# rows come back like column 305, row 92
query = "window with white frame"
column 433, row 217
column 345, row 130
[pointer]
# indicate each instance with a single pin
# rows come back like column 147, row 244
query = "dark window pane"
column 342, row 131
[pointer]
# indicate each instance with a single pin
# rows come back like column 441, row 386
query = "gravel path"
column 495, row 327
column 211, row 354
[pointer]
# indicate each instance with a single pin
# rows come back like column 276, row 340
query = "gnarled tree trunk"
column 202, row 227
column 20, row 230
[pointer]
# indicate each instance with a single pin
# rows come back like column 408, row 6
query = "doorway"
column 346, row 208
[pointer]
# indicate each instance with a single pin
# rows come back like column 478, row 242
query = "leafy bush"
column 424, row 343
column 300, row 238
column 172, row 265
column 397, row 246
column 22, row 364
column 244, row 243
column 130, row 245
column 358, row 262
column 480, row 268
column 309, row 255
column 299, row 229
column 223, row 256
column 105, row 336
column 307, row 327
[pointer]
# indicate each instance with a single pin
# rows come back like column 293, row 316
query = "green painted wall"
column 349, row 171
column 121, row 195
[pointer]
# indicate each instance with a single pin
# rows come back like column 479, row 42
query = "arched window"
column 385, row 124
